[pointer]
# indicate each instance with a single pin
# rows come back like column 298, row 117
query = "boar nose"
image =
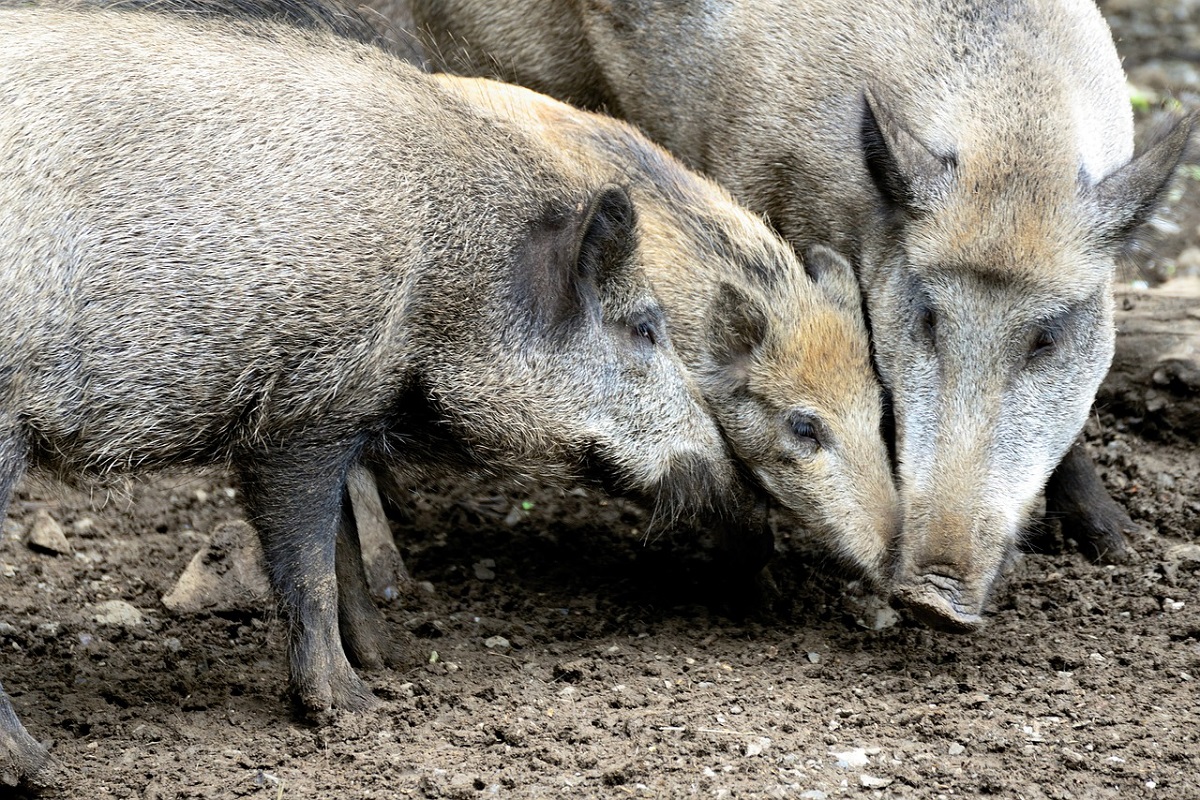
column 935, row 579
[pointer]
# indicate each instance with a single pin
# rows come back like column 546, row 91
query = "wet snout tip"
column 935, row 601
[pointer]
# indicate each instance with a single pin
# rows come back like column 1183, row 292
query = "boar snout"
column 940, row 601
column 940, row 578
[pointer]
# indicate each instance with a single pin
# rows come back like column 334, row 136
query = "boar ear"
column 906, row 172
column 833, row 274
column 1126, row 198
column 573, row 254
column 737, row 326
column 607, row 238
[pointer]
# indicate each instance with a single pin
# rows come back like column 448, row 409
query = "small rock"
column 813, row 658
column 957, row 749
column 757, row 747
column 497, row 643
column 1184, row 555
column 850, row 759
column 226, row 575
column 47, row 536
column 7, row 629
column 484, row 569
column 813, row 794
column 118, row 613
column 872, row 782
column 49, row 630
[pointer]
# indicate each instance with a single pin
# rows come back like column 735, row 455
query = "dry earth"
column 568, row 653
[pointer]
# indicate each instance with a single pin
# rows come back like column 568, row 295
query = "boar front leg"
column 1076, row 497
column 296, row 500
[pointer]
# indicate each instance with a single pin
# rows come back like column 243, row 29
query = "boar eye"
column 645, row 330
column 927, row 324
column 1042, row 343
column 804, row 428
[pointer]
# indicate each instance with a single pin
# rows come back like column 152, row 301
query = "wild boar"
column 974, row 159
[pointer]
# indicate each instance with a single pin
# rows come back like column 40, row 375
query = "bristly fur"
column 324, row 15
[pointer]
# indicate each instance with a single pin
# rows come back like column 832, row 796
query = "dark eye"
column 804, row 428
column 645, row 330
column 1042, row 343
column 927, row 324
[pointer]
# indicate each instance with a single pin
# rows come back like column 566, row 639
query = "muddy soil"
column 568, row 648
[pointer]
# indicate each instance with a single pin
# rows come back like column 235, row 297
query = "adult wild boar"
column 264, row 245
column 974, row 158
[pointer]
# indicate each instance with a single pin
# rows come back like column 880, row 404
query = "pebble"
column 957, row 749
column 850, row 759
column 757, row 747
column 49, row 630
column 118, row 613
column 46, row 535
column 497, row 643
column 484, row 569
column 225, row 575
column 813, row 794
column 872, row 782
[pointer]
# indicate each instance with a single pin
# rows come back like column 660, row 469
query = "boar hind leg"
column 23, row 762
column 296, row 502
column 363, row 629
column 1076, row 497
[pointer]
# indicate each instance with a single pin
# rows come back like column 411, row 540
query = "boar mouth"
column 938, row 602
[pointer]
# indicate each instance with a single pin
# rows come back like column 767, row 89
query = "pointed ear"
column 607, row 239
column 575, row 255
column 1128, row 196
column 906, row 172
column 737, row 327
column 834, row 275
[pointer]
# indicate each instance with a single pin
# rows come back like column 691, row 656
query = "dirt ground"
column 569, row 653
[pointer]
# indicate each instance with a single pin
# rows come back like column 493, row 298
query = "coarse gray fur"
column 263, row 245
column 973, row 157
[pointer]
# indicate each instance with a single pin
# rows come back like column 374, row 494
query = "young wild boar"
column 263, row 245
column 976, row 161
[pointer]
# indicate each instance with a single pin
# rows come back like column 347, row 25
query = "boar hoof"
column 341, row 691
column 24, row 763
column 936, row 602
column 1100, row 533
